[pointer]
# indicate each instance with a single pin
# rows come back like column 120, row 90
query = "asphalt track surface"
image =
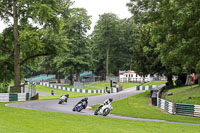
column 53, row 106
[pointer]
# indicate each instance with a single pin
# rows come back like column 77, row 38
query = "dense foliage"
column 50, row 36
column 169, row 35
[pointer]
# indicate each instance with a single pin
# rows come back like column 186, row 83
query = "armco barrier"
column 184, row 109
column 7, row 97
column 75, row 90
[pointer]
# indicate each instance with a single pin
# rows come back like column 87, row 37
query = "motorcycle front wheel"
column 96, row 112
column 74, row 109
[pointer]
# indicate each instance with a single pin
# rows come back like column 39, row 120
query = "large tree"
column 24, row 14
column 105, row 37
column 173, row 29
column 74, row 57
column 111, row 43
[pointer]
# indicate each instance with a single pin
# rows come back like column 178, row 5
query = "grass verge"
column 154, row 83
column 186, row 94
column 102, row 85
column 58, row 93
column 14, row 120
column 138, row 106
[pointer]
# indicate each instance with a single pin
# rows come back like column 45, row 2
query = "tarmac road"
column 53, row 106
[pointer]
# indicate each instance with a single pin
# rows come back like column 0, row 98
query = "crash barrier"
column 7, row 97
column 188, row 109
column 112, row 90
column 178, row 108
column 72, row 89
column 141, row 88
column 166, row 105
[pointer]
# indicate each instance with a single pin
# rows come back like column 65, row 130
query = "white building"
column 131, row 76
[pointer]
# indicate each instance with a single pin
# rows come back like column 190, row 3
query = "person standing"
column 117, row 87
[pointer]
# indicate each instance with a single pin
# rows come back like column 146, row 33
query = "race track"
column 53, row 106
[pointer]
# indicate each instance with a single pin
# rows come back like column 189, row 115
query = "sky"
column 98, row 7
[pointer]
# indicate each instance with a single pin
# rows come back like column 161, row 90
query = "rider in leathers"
column 106, row 102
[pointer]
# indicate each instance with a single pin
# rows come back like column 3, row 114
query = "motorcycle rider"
column 106, row 102
column 83, row 100
column 67, row 96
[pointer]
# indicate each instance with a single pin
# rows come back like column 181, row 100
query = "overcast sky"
column 98, row 7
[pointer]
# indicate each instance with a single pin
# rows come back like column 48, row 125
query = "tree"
column 24, row 13
column 105, row 36
column 174, row 27
column 74, row 55
column 153, row 29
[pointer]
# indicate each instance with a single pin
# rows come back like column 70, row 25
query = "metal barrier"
column 166, row 105
column 7, row 97
column 112, row 90
column 73, row 89
column 177, row 108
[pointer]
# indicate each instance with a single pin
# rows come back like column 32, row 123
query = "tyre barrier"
column 7, row 97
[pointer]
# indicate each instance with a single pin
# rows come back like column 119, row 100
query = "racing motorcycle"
column 105, row 110
column 80, row 106
column 63, row 99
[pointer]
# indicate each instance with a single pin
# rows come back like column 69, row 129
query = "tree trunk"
column 199, row 79
column 16, row 47
column 71, row 78
column 170, row 84
column 107, row 60
column 58, row 76
column 77, row 76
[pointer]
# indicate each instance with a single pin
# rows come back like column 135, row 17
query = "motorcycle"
column 105, row 110
column 63, row 98
column 80, row 106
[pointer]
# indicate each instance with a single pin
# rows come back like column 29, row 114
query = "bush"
column 3, row 88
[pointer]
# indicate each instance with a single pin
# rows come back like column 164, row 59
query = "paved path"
column 53, row 106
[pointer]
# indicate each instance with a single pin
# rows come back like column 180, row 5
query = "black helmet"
column 67, row 95
column 85, row 98
column 110, row 99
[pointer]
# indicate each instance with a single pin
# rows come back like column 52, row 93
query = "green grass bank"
column 14, row 120
column 139, row 106
column 186, row 94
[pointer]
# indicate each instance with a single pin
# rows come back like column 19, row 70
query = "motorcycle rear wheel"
column 80, row 108
column 106, row 112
